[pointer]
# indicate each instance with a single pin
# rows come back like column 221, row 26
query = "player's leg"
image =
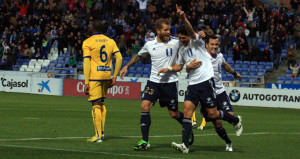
column 203, row 124
column 97, row 95
column 222, row 134
column 149, row 97
column 103, row 115
column 189, row 108
column 224, row 105
column 194, row 121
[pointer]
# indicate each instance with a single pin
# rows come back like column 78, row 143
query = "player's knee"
column 173, row 114
column 145, row 107
column 213, row 116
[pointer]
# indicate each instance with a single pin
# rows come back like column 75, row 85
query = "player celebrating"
column 222, row 100
column 163, row 52
column 201, row 83
column 218, row 61
column 97, row 53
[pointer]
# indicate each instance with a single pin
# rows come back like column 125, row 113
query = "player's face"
column 185, row 40
column 212, row 46
column 164, row 32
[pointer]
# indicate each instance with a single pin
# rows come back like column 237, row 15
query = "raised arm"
column 187, row 24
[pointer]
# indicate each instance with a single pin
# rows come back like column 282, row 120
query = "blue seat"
column 146, row 75
column 296, row 80
column 244, row 85
column 246, row 62
column 262, row 63
column 245, row 73
column 25, row 63
column 131, row 68
column 59, row 65
column 261, row 66
column 148, row 65
column 238, row 62
column 229, row 77
column 253, row 63
column 245, row 79
column 132, row 71
column 253, row 80
column 237, row 65
column 138, row 75
column 61, row 61
column 223, row 77
column 26, row 60
column 287, row 75
column 281, row 79
column 44, row 70
column 140, row 71
column 147, row 69
column 127, row 58
column 230, row 62
column 131, row 74
column 147, row 72
column 245, row 66
column 141, row 65
column 53, row 61
column 246, row 69
column 64, row 71
column 288, row 80
column 57, row 71
column 139, row 68
column 289, row 71
column 52, row 64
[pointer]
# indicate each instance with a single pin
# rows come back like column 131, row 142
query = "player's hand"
column 238, row 76
column 179, row 12
column 164, row 70
column 201, row 34
column 123, row 72
column 194, row 64
column 112, row 82
column 87, row 89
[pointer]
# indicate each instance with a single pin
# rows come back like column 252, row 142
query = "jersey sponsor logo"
column 11, row 84
column 44, row 85
column 234, row 95
column 103, row 68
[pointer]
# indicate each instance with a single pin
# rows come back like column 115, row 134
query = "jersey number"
column 103, row 54
column 169, row 52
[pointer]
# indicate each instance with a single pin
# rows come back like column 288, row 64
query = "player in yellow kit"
column 97, row 53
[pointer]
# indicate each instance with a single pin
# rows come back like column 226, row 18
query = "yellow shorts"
column 98, row 90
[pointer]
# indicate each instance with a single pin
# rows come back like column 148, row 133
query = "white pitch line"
column 156, row 136
column 83, row 151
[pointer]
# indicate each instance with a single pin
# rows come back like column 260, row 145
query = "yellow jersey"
column 100, row 49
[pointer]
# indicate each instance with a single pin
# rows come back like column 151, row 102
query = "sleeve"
column 143, row 51
column 223, row 60
column 86, row 50
column 180, row 60
column 118, row 57
column 86, row 62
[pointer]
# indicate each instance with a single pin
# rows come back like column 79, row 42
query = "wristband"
column 170, row 68
column 234, row 73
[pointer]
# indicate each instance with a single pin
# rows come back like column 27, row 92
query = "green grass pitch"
column 40, row 126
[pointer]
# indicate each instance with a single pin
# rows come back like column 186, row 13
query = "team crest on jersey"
column 172, row 101
column 225, row 103
column 208, row 99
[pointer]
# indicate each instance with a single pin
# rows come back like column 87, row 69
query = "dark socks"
column 222, row 133
column 231, row 119
column 179, row 118
column 145, row 125
column 186, row 130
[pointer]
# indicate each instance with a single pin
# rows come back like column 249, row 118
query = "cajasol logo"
column 44, row 85
column 11, row 83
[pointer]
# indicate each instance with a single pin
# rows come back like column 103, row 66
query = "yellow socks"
column 103, row 115
column 203, row 124
column 97, row 119
column 193, row 117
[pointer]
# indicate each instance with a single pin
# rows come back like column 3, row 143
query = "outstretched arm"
column 134, row 59
column 227, row 68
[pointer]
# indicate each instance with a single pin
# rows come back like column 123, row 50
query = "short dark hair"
column 98, row 26
column 159, row 22
column 182, row 30
column 210, row 37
